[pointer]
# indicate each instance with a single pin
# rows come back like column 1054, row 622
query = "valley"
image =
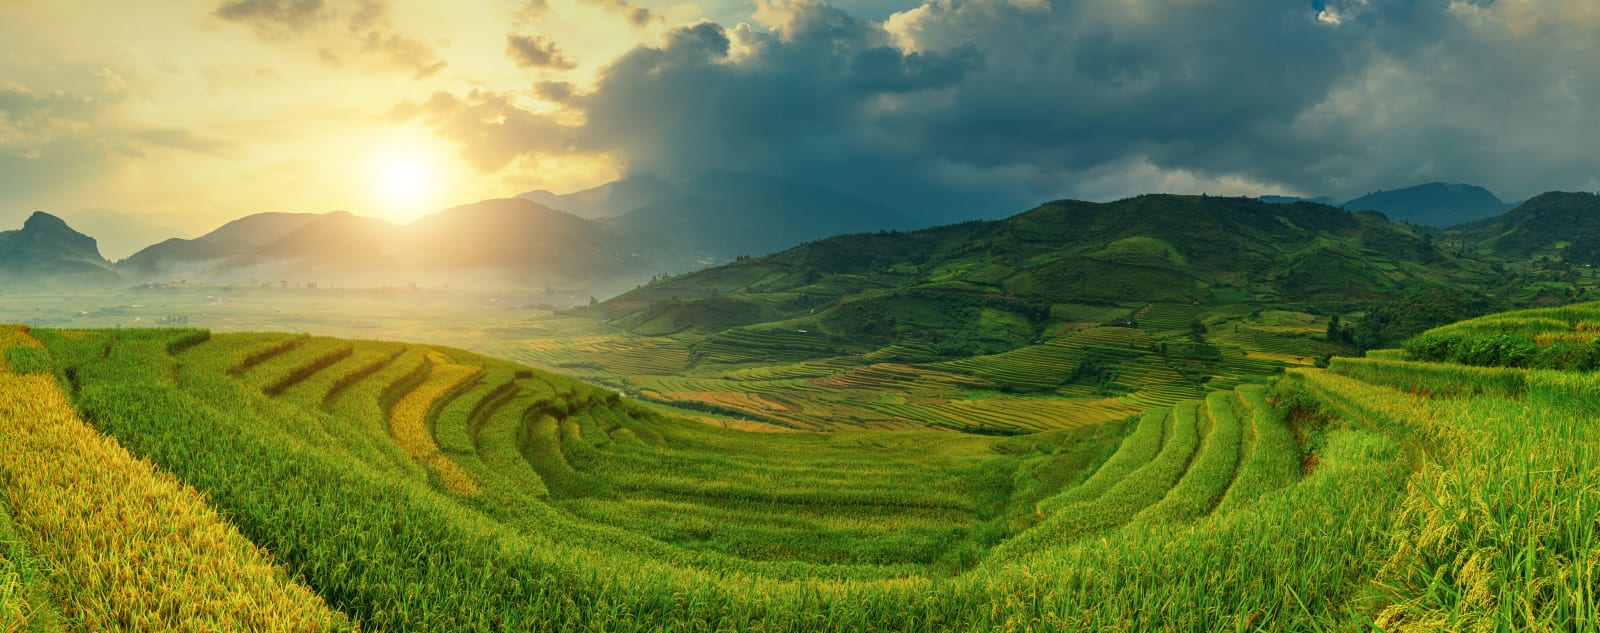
column 1062, row 420
column 420, row 487
column 799, row 316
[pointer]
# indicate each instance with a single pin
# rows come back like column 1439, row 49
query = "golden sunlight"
column 405, row 181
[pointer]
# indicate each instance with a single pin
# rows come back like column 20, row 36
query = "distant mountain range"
column 1435, row 204
column 988, row 286
column 1154, row 247
column 505, row 243
column 721, row 215
column 1151, row 248
column 608, row 200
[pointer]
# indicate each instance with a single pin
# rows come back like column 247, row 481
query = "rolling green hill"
column 1150, row 248
column 1557, row 225
column 324, row 484
column 981, row 288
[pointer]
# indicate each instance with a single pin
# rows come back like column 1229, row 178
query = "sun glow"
column 404, row 179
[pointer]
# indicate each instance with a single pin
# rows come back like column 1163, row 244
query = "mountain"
column 505, row 242
column 995, row 284
column 1151, row 247
column 222, row 247
column 607, row 200
column 1435, row 204
column 47, row 251
column 1557, row 225
column 513, row 237
column 721, row 215
column 122, row 234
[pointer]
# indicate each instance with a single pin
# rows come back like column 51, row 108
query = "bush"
column 1432, row 348
column 1497, row 350
column 1569, row 356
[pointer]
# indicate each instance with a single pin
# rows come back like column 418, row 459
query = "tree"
column 1197, row 331
column 1338, row 333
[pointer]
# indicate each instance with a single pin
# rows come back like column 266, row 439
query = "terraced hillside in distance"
column 390, row 486
column 1091, row 364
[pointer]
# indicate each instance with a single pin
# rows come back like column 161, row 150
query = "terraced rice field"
column 100, row 539
column 260, row 481
column 788, row 379
column 743, row 346
column 1168, row 319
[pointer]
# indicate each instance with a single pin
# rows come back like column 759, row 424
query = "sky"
column 189, row 113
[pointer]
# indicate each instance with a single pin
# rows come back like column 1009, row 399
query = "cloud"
column 273, row 17
column 554, row 91
column 956, row 108
column 54, row 140
column 492, row 130
column 184, row 139
column 637, row 15
column 537, row 52
column 337, row 30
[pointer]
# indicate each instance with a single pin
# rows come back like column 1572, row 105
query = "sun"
column 404, row 181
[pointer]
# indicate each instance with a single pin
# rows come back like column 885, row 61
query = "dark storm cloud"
column 537, row 52
column 962, row 107
column 337, row 31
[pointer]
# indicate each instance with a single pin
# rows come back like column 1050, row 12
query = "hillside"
column 46, row 251
column 987, row 287
column 1073, row 313
column 378, row 474
column 1434, row 204
column 1152, row 248
column 1562, row 226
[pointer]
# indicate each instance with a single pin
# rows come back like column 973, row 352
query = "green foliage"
column 1565, row 338
column 28, row 360
column 1422, row 499
column 1391, row 323
column 1474, row 523
column 1161, row 248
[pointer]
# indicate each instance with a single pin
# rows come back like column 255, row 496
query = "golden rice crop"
column 408, row 421
column 126, row 546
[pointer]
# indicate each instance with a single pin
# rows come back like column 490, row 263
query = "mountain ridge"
column 47, row 250
column 1435, row 204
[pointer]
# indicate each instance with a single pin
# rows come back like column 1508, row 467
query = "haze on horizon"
column 191, row 113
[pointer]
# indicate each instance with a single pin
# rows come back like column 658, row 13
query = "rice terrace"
column 799, row 316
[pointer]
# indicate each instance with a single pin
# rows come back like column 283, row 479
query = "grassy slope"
column 1444, row 503
column 982, row 289
column 108, row 542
